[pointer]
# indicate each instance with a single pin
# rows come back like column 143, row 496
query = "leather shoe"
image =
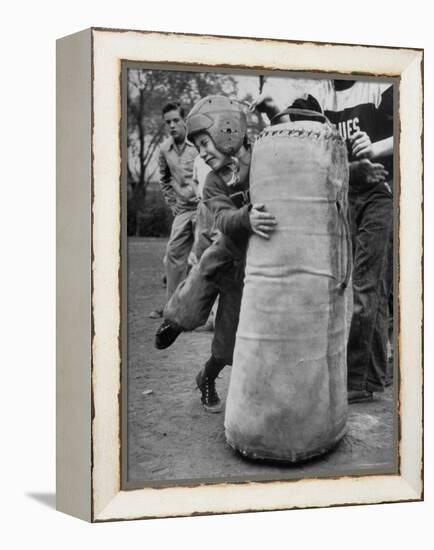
column 209, row 396
column 166, row 334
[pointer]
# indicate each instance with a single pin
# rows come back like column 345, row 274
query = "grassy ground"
column 170, row 436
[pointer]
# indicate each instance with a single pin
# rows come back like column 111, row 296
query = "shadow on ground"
column 47, row 499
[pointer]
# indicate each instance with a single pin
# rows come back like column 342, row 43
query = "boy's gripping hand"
column 262, row 223
column 361, row 145
column 365, row 172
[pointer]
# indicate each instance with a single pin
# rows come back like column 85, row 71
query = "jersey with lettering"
column 364, row 106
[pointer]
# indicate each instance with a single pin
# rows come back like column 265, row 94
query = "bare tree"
column 148, row 91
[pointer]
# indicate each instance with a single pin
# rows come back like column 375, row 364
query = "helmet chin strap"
column 234, row 166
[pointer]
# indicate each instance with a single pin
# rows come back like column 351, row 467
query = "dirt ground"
column 171, row 437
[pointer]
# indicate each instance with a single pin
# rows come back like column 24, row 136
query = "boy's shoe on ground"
column 210, row 399
column 156, row 314
column 166, row 334
column 207, row 327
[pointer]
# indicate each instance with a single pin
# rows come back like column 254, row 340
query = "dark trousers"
column 218, row 274
column 371, row 213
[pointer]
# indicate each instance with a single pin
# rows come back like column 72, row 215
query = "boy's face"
column 209, row 153
column 175, row 124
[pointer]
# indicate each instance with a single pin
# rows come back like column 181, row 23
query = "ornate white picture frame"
column 89, row 334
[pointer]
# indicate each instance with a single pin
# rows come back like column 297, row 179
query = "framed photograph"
column 239, row 275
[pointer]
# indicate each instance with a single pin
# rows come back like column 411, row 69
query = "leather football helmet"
column 222, row 118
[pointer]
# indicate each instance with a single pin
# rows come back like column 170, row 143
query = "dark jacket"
column 230, row 206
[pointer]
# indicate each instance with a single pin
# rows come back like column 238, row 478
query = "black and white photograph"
column 258, row 272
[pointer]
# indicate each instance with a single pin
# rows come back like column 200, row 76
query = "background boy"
column 176, row 160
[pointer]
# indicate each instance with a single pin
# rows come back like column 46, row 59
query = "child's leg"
column 223, row 343
column 227, row 316
column 178, row 249
column 191, row 303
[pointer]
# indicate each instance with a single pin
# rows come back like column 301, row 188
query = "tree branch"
column 151, row 148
